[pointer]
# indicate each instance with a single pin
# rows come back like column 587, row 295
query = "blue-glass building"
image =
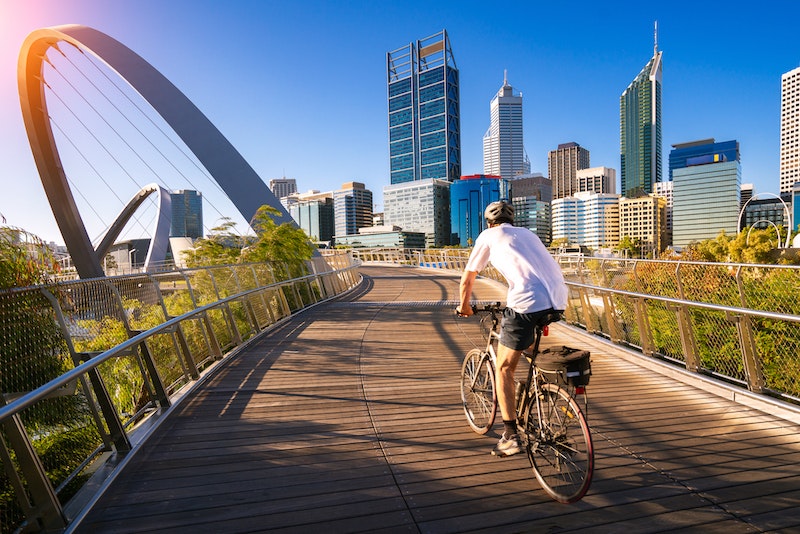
column 705, row 192
column 469, row 196
column 700, row 152
column 796, row 207
column 424, row 116
column 187, row 214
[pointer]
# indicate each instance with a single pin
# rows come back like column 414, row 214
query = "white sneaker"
column 507, row 446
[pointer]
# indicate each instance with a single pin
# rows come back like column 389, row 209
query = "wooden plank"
column 348, row 418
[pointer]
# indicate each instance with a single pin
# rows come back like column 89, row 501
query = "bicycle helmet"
column 499, row 212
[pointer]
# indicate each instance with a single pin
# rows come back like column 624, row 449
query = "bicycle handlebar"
column 495, row 307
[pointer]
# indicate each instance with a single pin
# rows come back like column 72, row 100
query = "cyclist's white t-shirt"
column 535, row 281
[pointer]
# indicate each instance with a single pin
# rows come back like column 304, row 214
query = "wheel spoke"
column 561, row 452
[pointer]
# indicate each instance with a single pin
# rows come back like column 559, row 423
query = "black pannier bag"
column 565, row 365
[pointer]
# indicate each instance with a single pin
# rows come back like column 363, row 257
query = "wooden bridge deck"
column 347, row 418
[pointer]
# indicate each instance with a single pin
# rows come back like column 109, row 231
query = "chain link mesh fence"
column 46, row 331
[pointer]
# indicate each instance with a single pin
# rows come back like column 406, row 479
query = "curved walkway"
column 347, row 418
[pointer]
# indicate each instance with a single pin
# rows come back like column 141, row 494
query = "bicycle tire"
column 478, row 393
column 562, row 454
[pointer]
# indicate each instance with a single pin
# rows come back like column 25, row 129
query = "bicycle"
column 551, row 424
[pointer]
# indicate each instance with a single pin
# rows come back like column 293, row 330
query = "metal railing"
column 87, row 366
column 735, row 322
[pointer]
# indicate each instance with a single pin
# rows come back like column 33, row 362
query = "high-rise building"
column 187, row 214
column 597, row 180
column 420, row 206
column 746, row 192
column 503, row 150
column 795, row 209
column 664, row 190
column 424, row 116
column 563, row 165
column 469, row 197
column 531, row 195
column 352, row 208
column 587, row 219
column 766, row 212
column 702, row 151
column 644, row 219
column 640, row 130
column 532, row 185
column 790, row 130
column 315, row 216
column 533, row 214
column 706, row 195
column 283, row 187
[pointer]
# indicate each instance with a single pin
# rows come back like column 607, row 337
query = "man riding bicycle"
column 536, row 288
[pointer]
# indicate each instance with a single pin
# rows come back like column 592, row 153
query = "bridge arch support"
column 228, row 168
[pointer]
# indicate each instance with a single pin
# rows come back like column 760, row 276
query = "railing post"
column 35, row 494
column 611, row 318
column 160, row 392
column 752, row 365
column 688, row 341
column 643, row 324
column 587, row 308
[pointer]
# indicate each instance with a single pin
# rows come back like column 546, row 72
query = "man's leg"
column 507, row 360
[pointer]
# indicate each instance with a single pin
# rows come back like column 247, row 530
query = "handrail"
column 697, row 304
column 41, row 392
column 730, row 331
column 159, row 353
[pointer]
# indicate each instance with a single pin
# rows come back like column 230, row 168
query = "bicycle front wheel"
column 559, row 445
column 478, row 394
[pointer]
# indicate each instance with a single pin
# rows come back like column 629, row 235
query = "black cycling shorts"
column 516, row 329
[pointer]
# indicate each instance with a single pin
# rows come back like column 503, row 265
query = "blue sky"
column 299, row 88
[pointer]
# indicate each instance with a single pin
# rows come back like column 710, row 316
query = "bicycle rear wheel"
column 560, row 452
column 478, row 395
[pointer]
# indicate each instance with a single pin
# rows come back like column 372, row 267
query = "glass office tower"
column 705, row 191
column 187, row 214
column 469, row 197
column 640, row 130
column 424, row 116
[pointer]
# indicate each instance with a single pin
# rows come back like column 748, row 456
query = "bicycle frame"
column 555, row 435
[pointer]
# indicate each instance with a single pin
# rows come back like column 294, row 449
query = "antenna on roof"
column 655, row 38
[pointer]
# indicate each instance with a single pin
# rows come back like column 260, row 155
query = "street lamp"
column 130, row 258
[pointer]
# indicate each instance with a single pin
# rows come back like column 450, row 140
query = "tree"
column 26, row 260
column 222, row 246
column 284, row 243
column 630, row 247
column 757, row 246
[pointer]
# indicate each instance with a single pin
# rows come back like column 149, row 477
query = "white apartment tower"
column 790, row 130
column 503, row 150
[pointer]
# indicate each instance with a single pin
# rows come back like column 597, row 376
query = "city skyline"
column 722, row 75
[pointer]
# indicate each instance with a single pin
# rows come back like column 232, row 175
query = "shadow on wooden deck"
column 347, row 418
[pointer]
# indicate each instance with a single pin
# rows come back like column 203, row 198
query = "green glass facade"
column 424, row 116
column 640, row 131
column 187, row 214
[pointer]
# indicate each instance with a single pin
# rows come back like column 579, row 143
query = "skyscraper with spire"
column 424, row 117
column 640, row 129
column 503, row 150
